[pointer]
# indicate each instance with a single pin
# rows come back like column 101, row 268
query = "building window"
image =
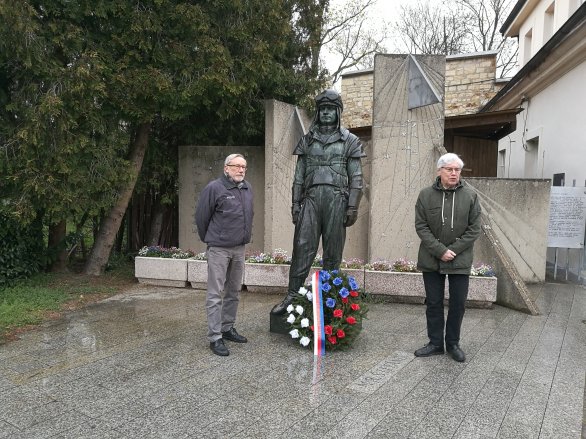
column 532, row 158
column 502, row 160
column 527, row 46
column 548, row 22
column 559, row 179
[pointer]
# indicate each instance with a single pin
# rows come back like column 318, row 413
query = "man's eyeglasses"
column 450, row 170
column 243, row 167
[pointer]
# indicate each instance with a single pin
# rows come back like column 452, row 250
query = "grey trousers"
column 225, row 274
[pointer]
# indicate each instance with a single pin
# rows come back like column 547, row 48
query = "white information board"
column 567, row 217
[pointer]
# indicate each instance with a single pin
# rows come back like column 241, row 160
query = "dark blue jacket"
column 224, row 212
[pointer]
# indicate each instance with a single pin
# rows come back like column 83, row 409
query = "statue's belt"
column 328, row 163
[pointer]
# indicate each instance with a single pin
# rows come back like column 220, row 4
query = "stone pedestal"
column 279, row 324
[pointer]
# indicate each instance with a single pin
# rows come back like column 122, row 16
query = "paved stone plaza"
column 138, row 366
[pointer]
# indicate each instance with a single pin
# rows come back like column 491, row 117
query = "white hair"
column 232, row 157
column 448, row 158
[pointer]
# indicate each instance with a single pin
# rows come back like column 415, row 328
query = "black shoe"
column 456, row 353
column 280, row 308
column 232, row 335
column 429, row 350
column 219, row 348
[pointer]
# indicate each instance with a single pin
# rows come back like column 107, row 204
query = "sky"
column 383, row 10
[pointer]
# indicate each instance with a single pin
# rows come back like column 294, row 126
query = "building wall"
column 538, row 21
column 517, row 210
column 357, row 93
column 548, row 142
column 405, row 150
column 198, row 165
column 470, row 83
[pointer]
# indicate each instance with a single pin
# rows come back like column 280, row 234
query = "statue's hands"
column 295, row 209
column 351, row 216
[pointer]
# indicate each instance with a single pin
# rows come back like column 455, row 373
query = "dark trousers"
column 434, row 294
column 322, row 215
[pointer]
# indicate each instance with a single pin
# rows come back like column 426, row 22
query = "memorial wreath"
column 343, row 311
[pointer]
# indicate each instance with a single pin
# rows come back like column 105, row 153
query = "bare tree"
column 486, row 18
column 433, row 30
column 458, row 26
column 349, row 36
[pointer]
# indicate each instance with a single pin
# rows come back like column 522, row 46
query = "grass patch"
column 24, row 305
column 46, row 295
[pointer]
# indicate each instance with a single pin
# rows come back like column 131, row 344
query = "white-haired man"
column 447, row 220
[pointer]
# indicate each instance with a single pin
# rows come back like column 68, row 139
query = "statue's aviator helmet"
column 329, row 97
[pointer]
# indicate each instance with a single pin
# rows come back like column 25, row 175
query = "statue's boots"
column 281, row 308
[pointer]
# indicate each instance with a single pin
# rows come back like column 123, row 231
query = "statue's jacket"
column 447, row 219
column 331, row 160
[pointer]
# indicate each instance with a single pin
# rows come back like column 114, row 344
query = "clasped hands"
column 449, row 255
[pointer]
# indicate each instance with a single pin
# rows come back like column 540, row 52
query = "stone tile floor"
column 138, row 366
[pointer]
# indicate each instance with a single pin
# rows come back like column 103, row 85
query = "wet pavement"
column 138, row 366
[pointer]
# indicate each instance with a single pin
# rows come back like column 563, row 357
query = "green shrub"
column 23, row 251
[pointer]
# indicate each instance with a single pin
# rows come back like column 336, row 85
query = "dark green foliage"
column 78, row 78
column 22, row 247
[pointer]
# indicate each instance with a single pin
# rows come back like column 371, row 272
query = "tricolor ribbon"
column 319, row 335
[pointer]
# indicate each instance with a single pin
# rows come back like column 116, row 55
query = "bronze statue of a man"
column 327, row 187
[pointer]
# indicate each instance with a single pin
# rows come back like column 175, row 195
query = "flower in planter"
column 343, row 311
column 278, row 256
column 405, row 266
column 482, row 269
column 162, row 252
column 352, row 263
column 379, row 266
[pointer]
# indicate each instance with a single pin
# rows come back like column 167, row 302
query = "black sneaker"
column 232, row 335
column 456, row 353
column 429, row 350
column 219, row 348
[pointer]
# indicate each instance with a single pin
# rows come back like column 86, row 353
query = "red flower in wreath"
column 332, row 339
column 355, row 307
column 328, row 329
column 345, row 300
column 340, row 333
column 351, row 320
column 338, row 313
column 354, row 293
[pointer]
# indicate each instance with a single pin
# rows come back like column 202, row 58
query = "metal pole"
column 555, row 264
column 567, row 262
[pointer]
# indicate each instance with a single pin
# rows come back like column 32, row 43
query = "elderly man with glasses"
column 224, row 222
column 447, row 220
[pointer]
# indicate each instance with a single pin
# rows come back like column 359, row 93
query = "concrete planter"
column 164, row 272
column 408, row 287
column 400, row 287
column 266, row 275
column 197, row 273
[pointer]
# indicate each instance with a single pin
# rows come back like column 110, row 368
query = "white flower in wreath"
column 299, row 309
column 304, row 341
column 294, row 333
column 304, row 323
column 291, row 318
column 303, row 291
column 290, row 308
